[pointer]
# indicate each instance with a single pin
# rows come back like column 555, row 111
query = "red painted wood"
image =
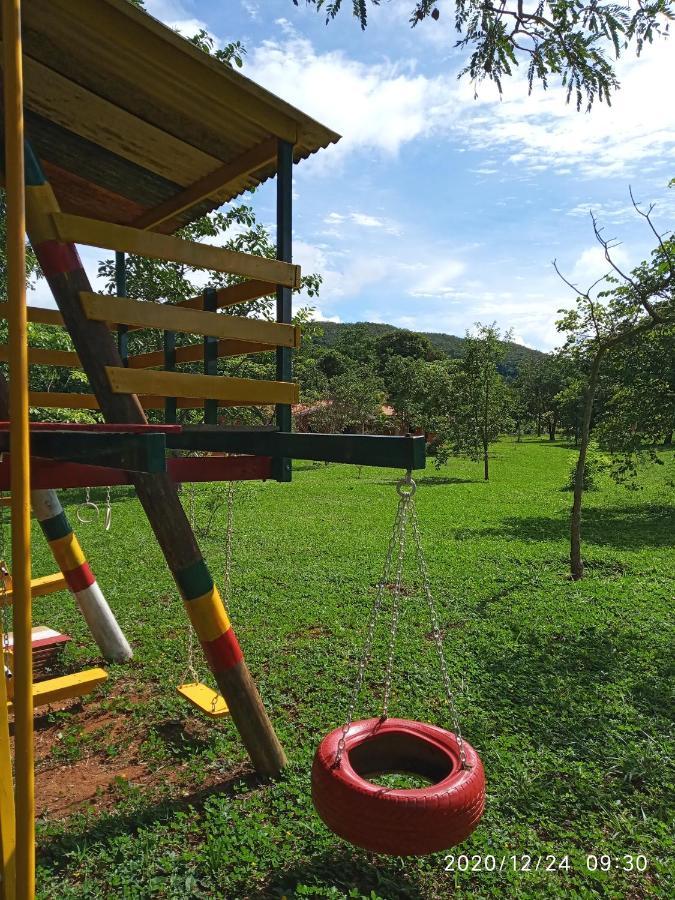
column 46, row 473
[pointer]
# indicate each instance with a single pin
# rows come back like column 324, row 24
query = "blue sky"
column 438, row 210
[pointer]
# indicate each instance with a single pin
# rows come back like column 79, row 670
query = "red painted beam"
column 48, row 473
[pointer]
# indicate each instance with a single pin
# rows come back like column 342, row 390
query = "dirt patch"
column 311, row 631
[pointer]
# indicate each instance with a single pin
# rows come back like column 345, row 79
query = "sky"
column 438, row 208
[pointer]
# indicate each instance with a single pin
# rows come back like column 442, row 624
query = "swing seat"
column 398, row 822
column 204, row 699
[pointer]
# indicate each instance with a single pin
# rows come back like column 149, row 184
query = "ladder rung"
column 39, row 587
column 206, row 700
column 66, row 687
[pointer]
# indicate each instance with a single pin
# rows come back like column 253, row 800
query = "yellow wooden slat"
column 233, row 294
column 66, row 687
column 59, row 400
column 42, row 356
column 208, row 185
column 195, row 353
column 238, row 391
column 40, row 587
column 204, row 699
column 37, row 314
column 82, row 230
column 166, row 317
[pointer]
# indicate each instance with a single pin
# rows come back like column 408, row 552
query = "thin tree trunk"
column 576, row 562
column 486, row 464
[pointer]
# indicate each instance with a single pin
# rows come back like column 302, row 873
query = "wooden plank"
column 40, row 356
column 37, row 314
column 40, row 587
column 204, row 699
column 80, row 230
column 46, row 474
column 210, row 184
column 64, row 400
column 90, row 116
column 195, row 353
column 66, row 687
column 167, row 317
column 235, row 293
column 244, row 391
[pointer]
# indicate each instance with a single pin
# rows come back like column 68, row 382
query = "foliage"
column 32, row 267
column 575, row 40
column 562, row 688
column 352, row 401
column 482, row 400
column 596, row 463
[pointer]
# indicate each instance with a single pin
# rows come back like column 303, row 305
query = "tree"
column 574, row 40
column 420, row 392
column 634, row 304
column 402, row 343
column 481, row 396
column 352, row 402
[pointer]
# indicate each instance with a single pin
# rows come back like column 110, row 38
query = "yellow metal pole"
column 7, row 821
column 19, row 449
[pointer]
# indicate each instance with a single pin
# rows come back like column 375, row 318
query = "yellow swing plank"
column 66, row 687
column 204, row 699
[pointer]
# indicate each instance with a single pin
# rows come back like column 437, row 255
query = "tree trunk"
column 576, row 562
column 552, row 427
column 669, row 440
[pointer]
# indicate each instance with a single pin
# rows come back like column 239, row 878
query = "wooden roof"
column 125, row 114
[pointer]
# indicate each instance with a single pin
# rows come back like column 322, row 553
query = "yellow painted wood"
column 40, row 587
column 82, row 230
column 204, row 699
column 85, row 113
column 37, row 314
column 238, row 391
column 58, row 400
column 42, row 356
column 66, row 687
column 167, row 317
column 209, row 185
column 234, row 293
column 195, row 353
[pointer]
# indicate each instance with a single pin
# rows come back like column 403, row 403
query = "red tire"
column 394, row 821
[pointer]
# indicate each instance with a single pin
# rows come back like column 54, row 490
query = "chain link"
column 406, row 514
column 438, row 638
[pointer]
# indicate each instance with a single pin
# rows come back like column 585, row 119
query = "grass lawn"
column 563, row 688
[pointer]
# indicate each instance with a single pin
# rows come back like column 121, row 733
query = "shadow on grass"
column 623, row 527
column 56, row 851
column 344, row 869
column 431, row 480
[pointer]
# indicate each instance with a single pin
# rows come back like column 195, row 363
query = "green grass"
column 563, row 685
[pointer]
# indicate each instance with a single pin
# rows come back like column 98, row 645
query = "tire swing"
column 393, row 821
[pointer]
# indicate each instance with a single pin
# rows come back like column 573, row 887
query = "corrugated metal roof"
column 124, row 113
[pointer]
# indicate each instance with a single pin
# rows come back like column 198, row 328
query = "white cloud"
column 364, row 220
column 438, row 279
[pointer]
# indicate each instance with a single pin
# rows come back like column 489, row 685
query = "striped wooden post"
column 70, row 559
column 65, row 274
column 83, row 586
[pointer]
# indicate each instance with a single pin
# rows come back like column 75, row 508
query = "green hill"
column 516, row 354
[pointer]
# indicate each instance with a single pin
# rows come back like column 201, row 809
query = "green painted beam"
column 116, row 450
column 358, row 449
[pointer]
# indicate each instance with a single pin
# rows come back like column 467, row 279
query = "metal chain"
column 405, row 505
column 366, row 653
column 438, row 638
column 228, row 542
column 190, row 668
column 107, row 521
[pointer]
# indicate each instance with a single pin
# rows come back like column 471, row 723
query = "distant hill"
column 516, row 354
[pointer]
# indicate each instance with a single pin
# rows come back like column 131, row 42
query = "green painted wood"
column 170, row 403
column 117, row 450
column 358, row 449
column 282, row 467
column 210, row 357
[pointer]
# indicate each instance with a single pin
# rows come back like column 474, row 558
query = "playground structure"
column 130, row 133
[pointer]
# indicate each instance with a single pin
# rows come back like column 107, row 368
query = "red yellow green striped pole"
column 19, row 447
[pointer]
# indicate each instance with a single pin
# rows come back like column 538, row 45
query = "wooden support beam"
column 237, row 391
column 47, row 474
column 80, row 230
column 211, row 184
column 195, row 353
column 42, row 356
column 167, row 317
column 157, row 493
column 143, row 452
